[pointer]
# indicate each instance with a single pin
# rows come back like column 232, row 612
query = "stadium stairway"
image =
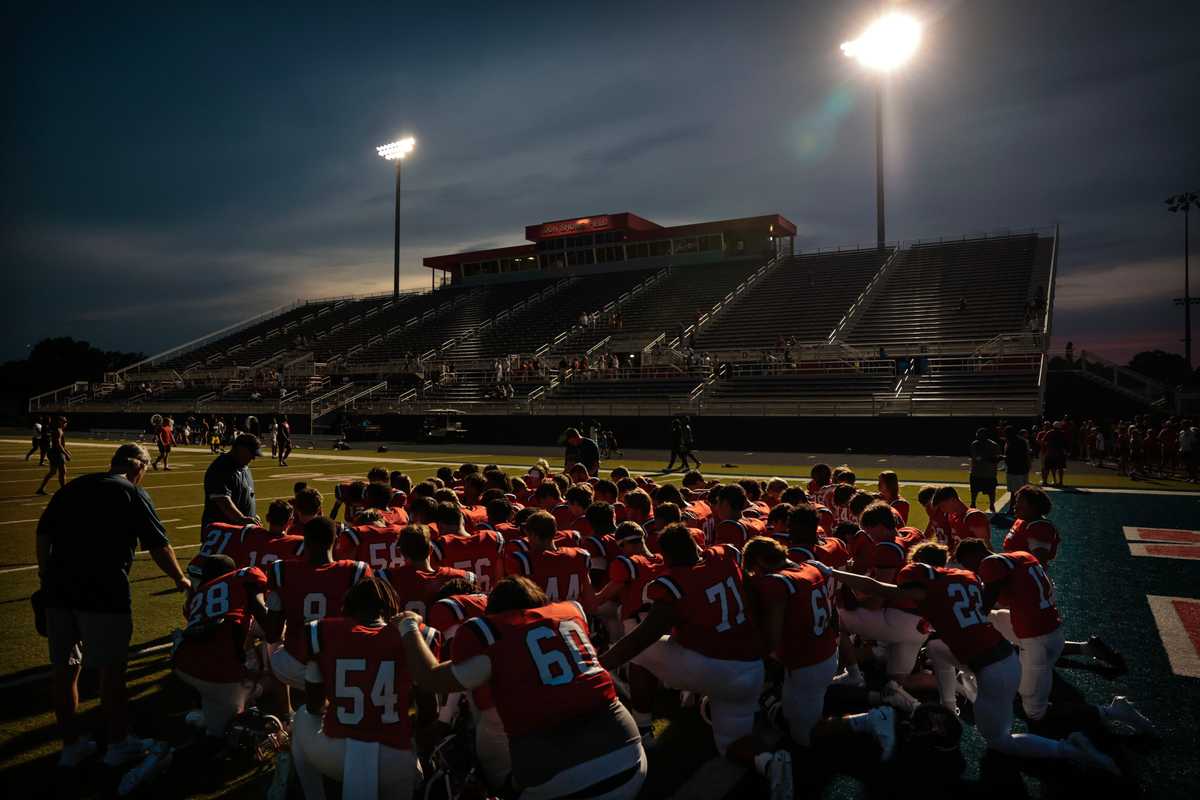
column 801, row 298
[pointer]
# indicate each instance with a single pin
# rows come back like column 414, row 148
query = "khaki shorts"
column 98, row 639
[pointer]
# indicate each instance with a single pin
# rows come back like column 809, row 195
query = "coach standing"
column 581, row 450
column 229, row 486
column 86, row 541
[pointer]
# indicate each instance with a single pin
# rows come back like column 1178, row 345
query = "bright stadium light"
column 885, row 45
column 396, row 151
column 887, row 42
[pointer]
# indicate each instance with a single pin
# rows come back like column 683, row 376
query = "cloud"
column 1099, row 287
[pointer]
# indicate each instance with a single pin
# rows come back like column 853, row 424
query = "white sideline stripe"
column 1181, row 653
column 368, row 457
column 17, row 521
column 44, row 673
column 1002, row 501
column 141, row 555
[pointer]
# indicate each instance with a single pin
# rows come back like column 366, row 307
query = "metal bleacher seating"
column 922, row 297
column 802, row 298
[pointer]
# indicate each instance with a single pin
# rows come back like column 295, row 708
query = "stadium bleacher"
column 833, row 332
column 952, row 294
column 802, row 298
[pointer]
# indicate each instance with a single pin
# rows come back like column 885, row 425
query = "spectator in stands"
column 85, row 595
column 1189, row 448
column 985, row 456
column 229, row 485
column 1054, row 454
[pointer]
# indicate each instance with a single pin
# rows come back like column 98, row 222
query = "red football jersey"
column 481, row 553
column 450, row 612
column 259, row 547
column 633, row 573
column 520, row 543
column 969, row 524
column 474, row 517
column 902, row 507
column 1037, row 536
column 544, row 669
column 311, row 592
column 601, row 548
column 219, row 656
column 829, row 551
column 417, row 588
column 710, row 612
column 953, row 605
column 564, row 517
column 366, row 679
column 698, row 536
column 938, row 529
column 1025, row 589
column 394, row 516
column 739, row 531
column 560, row 573
column 809, row 633
column 219, row 538
column 379, row 547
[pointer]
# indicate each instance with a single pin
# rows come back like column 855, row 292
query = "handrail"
column 655, row 342
column 621, row 300
column 35, row 401
column 598, row 345
column 856, row 305
column 1050, row 286
column 723, row 303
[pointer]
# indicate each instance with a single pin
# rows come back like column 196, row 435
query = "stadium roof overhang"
column 632, row 227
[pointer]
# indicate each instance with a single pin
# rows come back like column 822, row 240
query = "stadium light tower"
column 396, row 151
column 1175, row 203
column 886, row 44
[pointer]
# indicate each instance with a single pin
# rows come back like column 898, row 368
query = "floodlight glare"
column 397, row 149
column 887, row 42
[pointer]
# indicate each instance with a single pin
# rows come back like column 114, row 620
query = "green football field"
column 1130, row 591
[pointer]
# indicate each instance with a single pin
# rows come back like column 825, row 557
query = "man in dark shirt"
column 229, row 486
column 1016, row 460
column 86, row 540
column 581, row 450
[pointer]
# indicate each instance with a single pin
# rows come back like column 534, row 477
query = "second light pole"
column 396, row 151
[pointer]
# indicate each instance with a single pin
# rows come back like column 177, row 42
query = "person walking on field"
column 166, row 440
column 39, row 443
column 689, row 445
column 86, row 540
column 58, row 454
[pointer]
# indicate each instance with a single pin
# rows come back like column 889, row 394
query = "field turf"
column 1102, row 587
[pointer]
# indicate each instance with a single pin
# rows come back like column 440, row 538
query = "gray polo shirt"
column 226, row 478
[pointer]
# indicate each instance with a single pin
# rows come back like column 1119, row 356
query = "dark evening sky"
column 167, row 172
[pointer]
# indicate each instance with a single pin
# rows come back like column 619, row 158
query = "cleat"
column 895, row 696
column 1098, row 649
column 75, row 754
column 966, row 685
column 848, row 678
column 779, row 775
column 1086, row 754
column 1122, row 709
column 195, row 718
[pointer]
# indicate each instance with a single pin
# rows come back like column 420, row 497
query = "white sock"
column 761, row 761
column 853, row 671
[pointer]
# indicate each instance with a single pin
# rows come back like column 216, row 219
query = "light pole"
column 396, row 151
column 1175, row 203
column 886, row 44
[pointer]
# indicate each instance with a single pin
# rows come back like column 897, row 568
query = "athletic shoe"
column 122, row 753
column 848, row 678
column 1086, row 754
column 157, row 762
column 1099, row 649
column 967, row 685
column 195, row 718
column 75, row 754
column 779, row 775
column 895, row 696
column 1122, row 709
column 883, row 728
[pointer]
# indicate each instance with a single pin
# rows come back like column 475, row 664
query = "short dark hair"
column 378, row 495
column 541, row 526
column 879, row 513
column 499, row 510
column 580, row 494
column 1035, row 496
column 802, row 523
column 735, row 496
column 677, row 544
column 944, row 493
column 764, row 549
column 602, row 517
column 279, row 512
column 448, row 514
column 414, row 542
column 667, row 513
column 926, row 493
column 319, row 533
column 515, row 592
column 971, row 548
column 378, row 475
column 931, row 553
column 794, row 495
